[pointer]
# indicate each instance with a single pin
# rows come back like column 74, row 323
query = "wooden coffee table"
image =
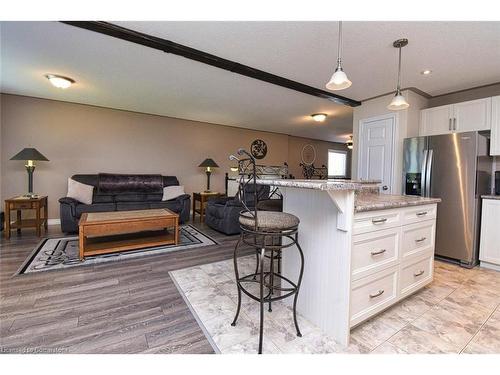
column 110, row 232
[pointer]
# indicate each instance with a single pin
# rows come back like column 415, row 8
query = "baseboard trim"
column 54, row 222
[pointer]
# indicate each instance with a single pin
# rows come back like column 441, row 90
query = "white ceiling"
column 118, row 74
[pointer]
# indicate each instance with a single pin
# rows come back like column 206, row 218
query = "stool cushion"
column 270, row 220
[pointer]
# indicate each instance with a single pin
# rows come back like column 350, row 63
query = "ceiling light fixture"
column 426, row 72
column 350, row 143
column 58, row 81
column 319, row 117
column 339, row 80
column 399, row 102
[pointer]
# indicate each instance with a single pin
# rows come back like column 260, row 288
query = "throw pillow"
column 172, row 192
column 81, row 192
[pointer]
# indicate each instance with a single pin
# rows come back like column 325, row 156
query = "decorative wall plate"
column 258, row 149
column 308, row 154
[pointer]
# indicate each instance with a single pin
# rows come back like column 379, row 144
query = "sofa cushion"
column 130, row 183
column 172, row 192
column 100, row 198
column 130, row 206
column 96, row 207
column 171, row 205
column 79, row 191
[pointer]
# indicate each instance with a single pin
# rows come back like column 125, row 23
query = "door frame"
column 395, row 135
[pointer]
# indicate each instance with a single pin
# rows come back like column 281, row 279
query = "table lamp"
column 208, row 164
column 30, row 155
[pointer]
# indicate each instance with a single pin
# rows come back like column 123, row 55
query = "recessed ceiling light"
column 319, row 117
column 426, row 72
column 59, row 81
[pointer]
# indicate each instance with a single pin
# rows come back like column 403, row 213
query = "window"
column 337, row 163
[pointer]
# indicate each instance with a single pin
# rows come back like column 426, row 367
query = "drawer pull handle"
column 379, row 293
column 379, row 221
column 423, row 213
column 419, row 273
column 421, row 239
column 378, row 252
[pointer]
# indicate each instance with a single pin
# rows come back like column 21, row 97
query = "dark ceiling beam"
column 206, row 58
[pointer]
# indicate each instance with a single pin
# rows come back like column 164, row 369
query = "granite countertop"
column 332, row 184
column 490, row 197
column 372, row 202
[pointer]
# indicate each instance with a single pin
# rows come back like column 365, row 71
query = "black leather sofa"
column 222, row 214
column 115, row 192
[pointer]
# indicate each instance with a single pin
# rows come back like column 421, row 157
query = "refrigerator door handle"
column 422, row 175
column 428, row 174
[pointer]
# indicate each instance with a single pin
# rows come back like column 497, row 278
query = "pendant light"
column 339, row 80
column 350, row 143
column 399, row 102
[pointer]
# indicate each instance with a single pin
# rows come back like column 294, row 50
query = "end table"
column 21, row 203
column 203, row 198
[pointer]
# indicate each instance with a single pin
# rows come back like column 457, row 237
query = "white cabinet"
column 392, row 257
column 472, row 115
column 437, row 120
column 460, row 117
column 495, row 126
column 489, row 248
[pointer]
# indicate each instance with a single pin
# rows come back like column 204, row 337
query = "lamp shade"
column 208, row 163
column 29, row 154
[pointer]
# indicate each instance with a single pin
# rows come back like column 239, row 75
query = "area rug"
column 211, row 294
column 61, row 253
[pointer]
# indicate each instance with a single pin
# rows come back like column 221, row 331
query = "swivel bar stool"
column 268, row 233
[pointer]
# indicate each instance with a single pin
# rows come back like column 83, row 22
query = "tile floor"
column 457, row 313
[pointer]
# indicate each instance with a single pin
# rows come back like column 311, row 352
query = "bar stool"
column 269, row 233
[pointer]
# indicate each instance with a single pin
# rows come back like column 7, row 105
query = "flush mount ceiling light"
column 319, row 117
column 339, row 80
column 399, row 102
column 349, row 143
column 426, row 72
column 58, row 81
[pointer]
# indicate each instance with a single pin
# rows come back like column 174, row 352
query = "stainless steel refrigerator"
column 456, row 168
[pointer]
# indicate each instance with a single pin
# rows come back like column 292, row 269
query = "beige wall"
column 406, row 126
column 86, row 139
column 463, row 96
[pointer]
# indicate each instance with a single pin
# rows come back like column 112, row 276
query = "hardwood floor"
column 127, row 307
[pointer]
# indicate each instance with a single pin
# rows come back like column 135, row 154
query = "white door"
column 489, row 246
column 472, row 115
column 376, row 150
column 437, row 120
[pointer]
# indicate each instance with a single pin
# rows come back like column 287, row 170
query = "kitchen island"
column 363, row 251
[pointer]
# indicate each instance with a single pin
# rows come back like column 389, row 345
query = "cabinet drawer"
column 419, row 213
column 374, row 251
column 372, row 294
column 20, row 205
column 376, row 220
column 415, row 275
column 418, row 238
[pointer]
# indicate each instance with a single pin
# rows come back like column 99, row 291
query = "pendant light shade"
column 339, row 80
column 399, row 101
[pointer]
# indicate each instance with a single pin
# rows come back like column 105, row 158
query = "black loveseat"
column 115, row 192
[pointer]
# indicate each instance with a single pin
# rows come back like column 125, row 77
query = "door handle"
column 423, row 213
column 454, row 123
column 379, row 293
column 449, row 124
column 421, row 239
column 419, row 273
column 378, row 252
column 379, row 221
